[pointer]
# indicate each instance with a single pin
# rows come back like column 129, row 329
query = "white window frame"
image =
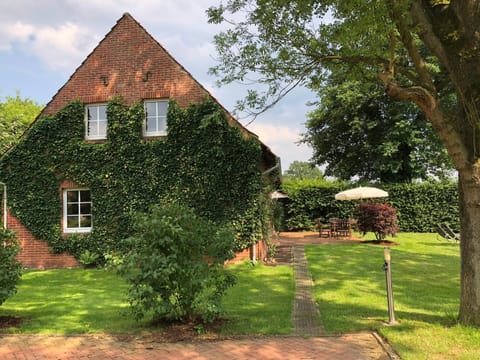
column 96, row 108
column 78, row 229
column 156, row 116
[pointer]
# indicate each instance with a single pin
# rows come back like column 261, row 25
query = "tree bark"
column 459, row 57
column 469, row 192
column 440, row 121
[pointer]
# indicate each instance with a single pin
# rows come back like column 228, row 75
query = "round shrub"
column 175, row 265
column 380, row 219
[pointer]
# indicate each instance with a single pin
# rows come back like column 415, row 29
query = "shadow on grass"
column 75, row 301
column 350, row 284
column 261, row 301
column 71, row 301
column 441, row 244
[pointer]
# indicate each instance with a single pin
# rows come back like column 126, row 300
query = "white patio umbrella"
column 278, row 195
column 360, row 193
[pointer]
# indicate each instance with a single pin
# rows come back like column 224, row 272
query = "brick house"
column 128, row 63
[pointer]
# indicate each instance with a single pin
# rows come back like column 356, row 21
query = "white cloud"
column 44, row 44
column 273, row 133
column 62, row 33
column 59, row 48
column 283, row 141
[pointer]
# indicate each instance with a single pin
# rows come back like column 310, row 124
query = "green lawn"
column 350, row 290
column 75, row 301
column 262, row 302
column 71, row 301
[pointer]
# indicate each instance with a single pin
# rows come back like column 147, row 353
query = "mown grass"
column 77, row 301
column 262, row 302
column 350, row 290
column 71, row 301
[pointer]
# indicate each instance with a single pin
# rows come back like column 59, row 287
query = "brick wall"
column 247, row 254
column 129, row 63
column 35, row 253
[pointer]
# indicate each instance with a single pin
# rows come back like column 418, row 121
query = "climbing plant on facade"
column 204, row 163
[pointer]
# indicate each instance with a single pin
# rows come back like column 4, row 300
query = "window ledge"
column 77, row 230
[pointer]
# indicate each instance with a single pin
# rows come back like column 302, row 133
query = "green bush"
column 175, row 265
column 10, row 268
column 89, row 259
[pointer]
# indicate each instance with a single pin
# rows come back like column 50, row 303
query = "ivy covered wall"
column 203, row 162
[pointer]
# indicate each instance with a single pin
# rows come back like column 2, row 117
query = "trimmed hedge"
column 419, row 206
column 310, row 200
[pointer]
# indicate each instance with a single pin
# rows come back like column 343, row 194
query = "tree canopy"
column 303, row 170
column 355, row 120
column 408, row 43
column 16, row 114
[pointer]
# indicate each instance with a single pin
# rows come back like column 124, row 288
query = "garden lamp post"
column 388, row 275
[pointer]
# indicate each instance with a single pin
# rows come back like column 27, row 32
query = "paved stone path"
column 363, row 346
column 305, row 312
column 305, row 345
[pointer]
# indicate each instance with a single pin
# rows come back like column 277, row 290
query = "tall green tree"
column 357, row 131
column 303, row 170
column 16, row 114
column 282, row 44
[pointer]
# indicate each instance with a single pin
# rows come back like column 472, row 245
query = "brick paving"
column 305, row 312
column 307, row 342
column 364, row 346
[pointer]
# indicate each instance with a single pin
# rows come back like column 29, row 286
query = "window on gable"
column 96, row 121
column 155, row 118
column 77, row 210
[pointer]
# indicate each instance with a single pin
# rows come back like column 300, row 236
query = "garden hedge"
column 419, row 206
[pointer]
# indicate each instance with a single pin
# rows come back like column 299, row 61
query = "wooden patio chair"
column 323, row 229
column 341, row 228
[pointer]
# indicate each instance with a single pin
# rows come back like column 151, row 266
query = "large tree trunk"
column 469, row 192
column 434, row 23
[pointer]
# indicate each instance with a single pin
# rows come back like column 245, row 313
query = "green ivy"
column 204, row 163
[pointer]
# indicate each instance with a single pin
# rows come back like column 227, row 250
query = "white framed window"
column 77, row 210
column 96, row 121
column 155, row 118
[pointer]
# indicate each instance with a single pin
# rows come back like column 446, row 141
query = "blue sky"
column 42, row 42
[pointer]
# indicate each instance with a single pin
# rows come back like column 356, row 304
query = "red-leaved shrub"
column 380, row 219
